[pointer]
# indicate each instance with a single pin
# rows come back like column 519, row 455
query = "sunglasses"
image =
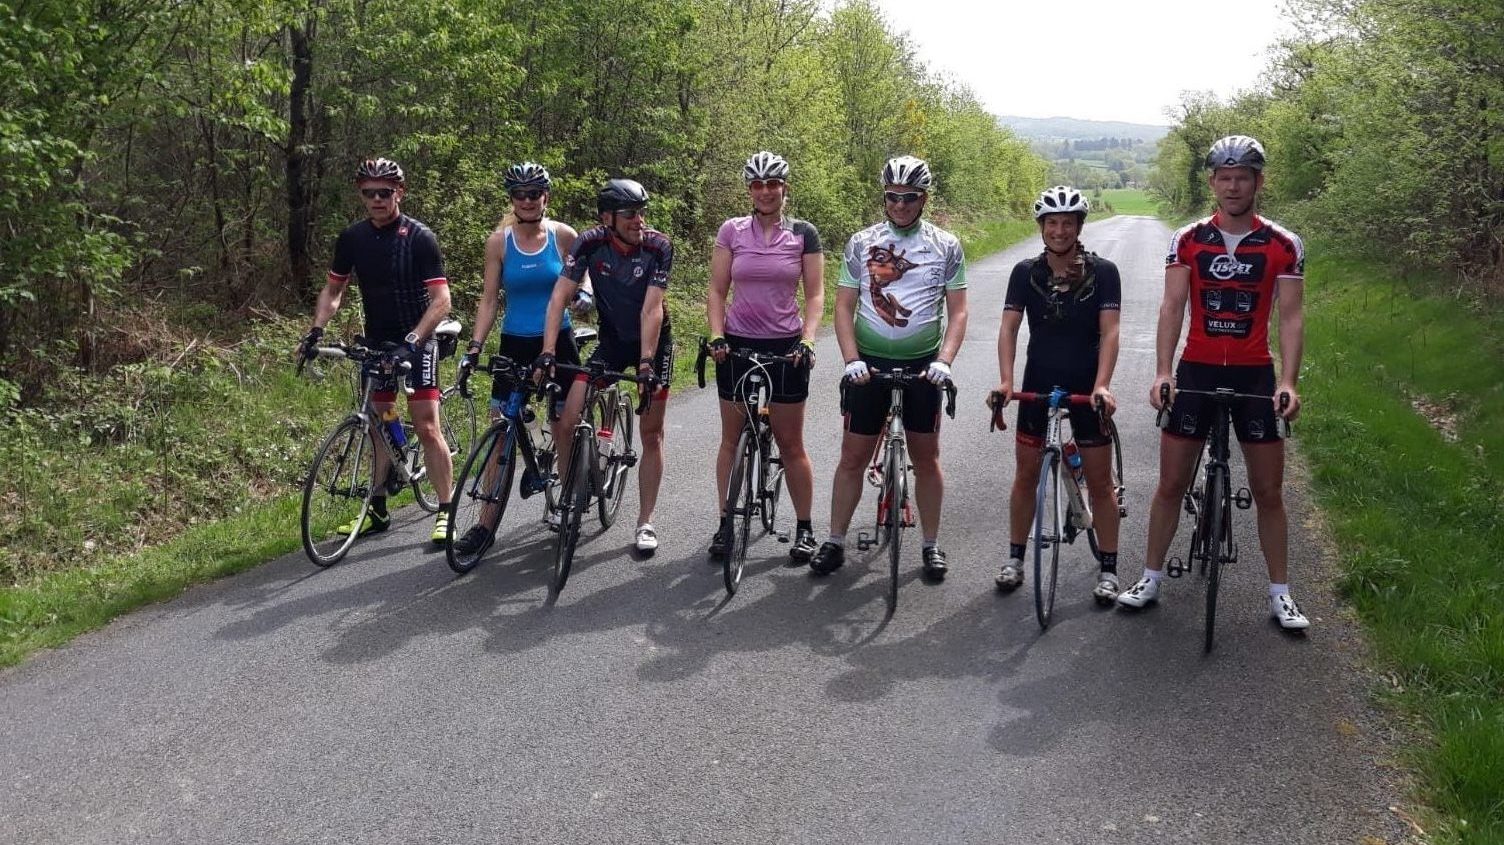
column 631, row 213
column 906, row 197
column 373, row 193
column 759, row 184
column 526, row 195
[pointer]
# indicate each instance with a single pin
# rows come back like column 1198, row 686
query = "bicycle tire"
column 1047, row 536
column 344, row 467
column 573, row 499
column 481, row 492
column 613, row 473
column 770, row 482
column 735, row 510
column 1218, row 496
column 897, row 482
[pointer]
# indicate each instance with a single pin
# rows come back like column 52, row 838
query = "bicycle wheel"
column 337, row 492
column 1215, row 515
column 1047, row 536
column 738, row 508
column 897, row 493
column 770, row 481
column 574, row 497
column 457, row 423
column 481, row 492
column 612, row 462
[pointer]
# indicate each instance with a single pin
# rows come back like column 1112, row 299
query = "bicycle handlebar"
column 1224, row 394
column 998, row 423
column 903, row 378
column 742, row 353
column 598, row 373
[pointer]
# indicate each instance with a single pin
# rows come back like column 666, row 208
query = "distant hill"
column 1070, row 128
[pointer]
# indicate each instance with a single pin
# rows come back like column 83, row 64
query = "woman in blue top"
column 524, row 259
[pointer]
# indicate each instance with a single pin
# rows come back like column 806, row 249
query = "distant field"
column 1129, row 201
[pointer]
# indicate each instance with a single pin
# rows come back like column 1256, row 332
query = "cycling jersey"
column 902, row 278
column 765, row 271
column 620, row 276
column 1233, row 287
column 1064, row 316
column 395, row 265
column 528, row 278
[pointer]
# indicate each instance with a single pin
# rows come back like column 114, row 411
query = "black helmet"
column 1236, row 151
column 618, row 194
column 528, row 174
column 382, row 169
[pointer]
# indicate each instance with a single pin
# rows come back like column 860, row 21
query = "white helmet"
column 765, row 165
column 1061, row 199
column 910, row 171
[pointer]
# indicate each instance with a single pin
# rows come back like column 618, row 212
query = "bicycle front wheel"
column 574, row 497
column 1047, row 536
column 481, row 492
column 1214, row 536
column 737, row 509
column 612, row 463
column 337, row 492
column 896, row 470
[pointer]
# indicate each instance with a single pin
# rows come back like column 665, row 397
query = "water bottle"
column 603, row 437
column 394, row 427
column 1080, row 512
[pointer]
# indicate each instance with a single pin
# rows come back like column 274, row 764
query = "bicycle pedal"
column 1175, row 568
column 628, row 460
column 865, row 541
column 1243, row 499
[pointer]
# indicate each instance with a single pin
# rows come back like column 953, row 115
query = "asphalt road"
column 386, row 700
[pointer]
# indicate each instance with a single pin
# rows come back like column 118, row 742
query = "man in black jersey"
column 1073, row 300
column 399, row 269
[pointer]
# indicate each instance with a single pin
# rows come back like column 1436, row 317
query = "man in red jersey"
column 1231, row 269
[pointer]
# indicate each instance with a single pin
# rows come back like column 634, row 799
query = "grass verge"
column 1127, row 201
column 1404, row 391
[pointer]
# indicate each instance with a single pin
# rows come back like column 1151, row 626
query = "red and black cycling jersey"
column 394, row 265
column 620, row 276
column 1233, row 292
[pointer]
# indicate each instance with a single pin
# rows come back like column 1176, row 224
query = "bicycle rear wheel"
column 574, row 497
column 770, row 483
column 897, row 485
column 612, row 463
column 737, row 508
column 1047, row 536
column 481, row 492
column 1215, row 517
column 337, row 492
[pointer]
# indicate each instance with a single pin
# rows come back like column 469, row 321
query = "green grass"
column 1419, row 518
column 1126, row 201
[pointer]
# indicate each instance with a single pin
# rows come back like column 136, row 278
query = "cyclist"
column 523, row 260
column 629, row 265
column 1230, row 269
column 399, row 269
column 1073, row 300
column 766, row 256
column 901, row 304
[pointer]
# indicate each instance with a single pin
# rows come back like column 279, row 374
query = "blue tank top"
column 528, row 279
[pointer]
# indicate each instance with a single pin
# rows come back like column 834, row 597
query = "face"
column 1235, row 189
column 1060, row 232
column 768, row 195
column 529, row 204
column 381, row 199
column 627, row 224
column 903, row 204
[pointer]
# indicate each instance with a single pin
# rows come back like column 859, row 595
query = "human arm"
column 715, row 300
column 1292, row 337
column 1167, row 335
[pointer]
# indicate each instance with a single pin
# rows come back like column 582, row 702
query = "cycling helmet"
column 1236, row 151
column 910, row 171
column 528, row 174
column 618, row 194
column 1061, row 199
column 381, row 169
column 765, row 165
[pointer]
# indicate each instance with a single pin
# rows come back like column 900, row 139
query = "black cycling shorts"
column 622, row 357
column 1253, row 419
column 866, row 406
column 790, row 384
column 525, row 350
column 1033, row 417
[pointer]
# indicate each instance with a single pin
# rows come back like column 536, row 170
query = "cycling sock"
column 378, row 506
column 1154, row 574
column 838, row 539
column 1110, row 562
column 804, row 525
column 1016, row 551
column 929, row 544
column 1276, row 590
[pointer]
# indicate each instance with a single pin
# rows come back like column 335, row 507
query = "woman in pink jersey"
column 764, row 258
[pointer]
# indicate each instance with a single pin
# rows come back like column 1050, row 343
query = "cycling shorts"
column 790, row 384
column 865, row 406
column 1033, row 417
column 622, row 357
column 1253, row 419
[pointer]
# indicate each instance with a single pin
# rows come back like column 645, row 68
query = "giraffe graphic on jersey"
column 885, row 266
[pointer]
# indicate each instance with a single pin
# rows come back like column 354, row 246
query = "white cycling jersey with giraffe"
column 901, row 278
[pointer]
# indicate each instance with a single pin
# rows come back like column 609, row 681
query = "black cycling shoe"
column 804, row 546
column 720, row 544
column 934, row 563
column 476, row 540
column 827, row 559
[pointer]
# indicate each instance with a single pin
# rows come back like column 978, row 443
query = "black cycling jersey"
column 1064, row 316
column 620, row 277
column 394, row 265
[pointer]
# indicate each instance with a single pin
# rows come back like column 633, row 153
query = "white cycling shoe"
column 1144, row 591
column 1106, row 590
column 647, row 538
column 1284, row 609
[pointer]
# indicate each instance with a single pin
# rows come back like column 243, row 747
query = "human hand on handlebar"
column 1103, row 397
column 719, row 349
column 1163, row 385
column 938, row 372
column 857, row 372
column 1290, row 409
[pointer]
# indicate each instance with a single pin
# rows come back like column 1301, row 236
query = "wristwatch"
column 411, row 339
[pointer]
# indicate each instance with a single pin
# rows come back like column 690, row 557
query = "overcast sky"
column 1091, row 59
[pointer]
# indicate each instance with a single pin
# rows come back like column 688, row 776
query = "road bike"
column 601, row 455
column 341, row 481
column 890, row 472
column 1212, row 544
column 1058, row 519
column 756, row 481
